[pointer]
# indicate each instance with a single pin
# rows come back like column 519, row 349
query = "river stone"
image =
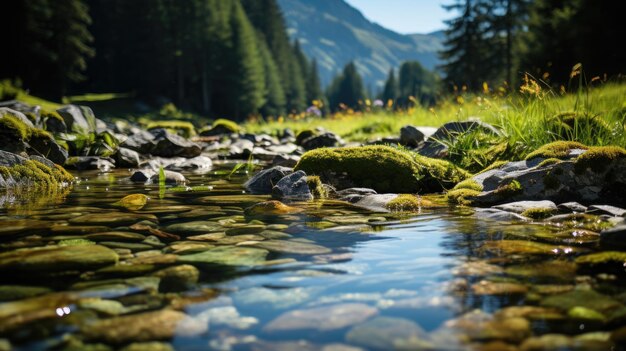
column 572, row 207
column 177, row 278
column 82, row 163
column 478, row 325
column 115, row 236
column 485, row 287
column 194, row 227
column 376, row 202
column 126, row 158
column 411, row 136
column 498, row 215
column 263, row 182
column 582, row 298
column 614, row 238
column 521, row 206
column 198, row 162
column 322, row 318
column 18, row 292
column 148, row 346
column 48, row 147
column 247, row 229
column 57, row 258
column 79, row 119
column 292, row 187
column 142, row 175
column 388, row 333
column 290, row 246
column 141, row 142
column 228, row 256
column 172, row 145
column 134, row 247
column 285, row 160
column 240, row 239
column 149, row 326
column 524, row 247
column 112, row 219
column 606, row 209
column 271, row 207
column 171, row 177
column 327, row 139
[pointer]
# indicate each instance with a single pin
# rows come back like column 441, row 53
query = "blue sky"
column 404, row 16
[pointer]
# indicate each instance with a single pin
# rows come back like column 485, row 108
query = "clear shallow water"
column 439, row 279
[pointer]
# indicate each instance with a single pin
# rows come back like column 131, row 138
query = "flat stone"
column 227, row 255
column 606, row 209
column 498, row 215
column 572, row 207
column 521, row 206
column 290, row 246
column 322, row 318
column 57, row 258
column 150, row 326
column 376, row 202
column 111, row 219
column 194, row 227
column 171, row 177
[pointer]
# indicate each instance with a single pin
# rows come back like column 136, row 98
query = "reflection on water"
column 191, row 271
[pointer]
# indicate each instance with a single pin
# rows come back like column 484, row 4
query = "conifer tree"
column 313, row 85
column 347, row 88
column 390, row 91
column 274, row 93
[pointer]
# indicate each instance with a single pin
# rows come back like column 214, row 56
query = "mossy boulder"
column 221, row 126
column 597, row 159
column 18, row 172
column 558, row 149
column 382, row 168
column 404, row 203
column 182, row 128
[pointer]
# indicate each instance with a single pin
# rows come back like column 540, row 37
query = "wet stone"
column 115, row 236
column 18, row 292
column 572, row 207
column 227, row 255
column 150, row 326
column 177, row 278
column 57, row 258
column 606, row 209
column 521, row 206
column 112, row 219
column 194, row 227
column 294, row 247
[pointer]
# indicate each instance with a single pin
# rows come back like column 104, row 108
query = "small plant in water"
column 161, row 182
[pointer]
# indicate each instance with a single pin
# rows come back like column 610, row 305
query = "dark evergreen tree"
column 274, row 93
column 390, row 91
column 415, row 83
column 466, row 49
column 347, row 89
column 313, row 85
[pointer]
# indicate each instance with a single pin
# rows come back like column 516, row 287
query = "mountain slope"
column 335, row 33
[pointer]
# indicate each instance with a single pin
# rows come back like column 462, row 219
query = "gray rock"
column 89, row 163
column 142, row 175
column 433, row 146
column 292, row 187
column 198, row 162
column 22, row 117
column 171, row 177
column 558, row 182
column 521, row 206
column 172, row 145
column 264, row 181
column 79, row 119
column 356, row 191
column 8, row 159
column 606, row 209
column 127, row 158
column 241, row 148
column 498, row 215
column 376, row 202
column 142, row 142
column 22, row 107
column 54, row 125
column 411, row 136
column 46, row 146
column 327, row 139
column 571, row 207
column 285, row 160
column 614, row 238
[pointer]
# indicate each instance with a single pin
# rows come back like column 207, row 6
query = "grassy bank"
column 533, row 117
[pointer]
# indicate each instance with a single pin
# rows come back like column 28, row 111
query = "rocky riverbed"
column 171, row 238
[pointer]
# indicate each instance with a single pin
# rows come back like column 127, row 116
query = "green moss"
column 494, row 165
column 303, row 135
column 20, row 129
column 47, row 114
column 183, row 128
column 227, row 124
column 469, row 184
column 576, row 125
column 538, row 213
column 597, row 158
column 460, row 196
column 549, row 161
column 382, row 168
column 404, row 203
column 557, row 149
column 603, row 258
column 35, row 173
column 316, row 187
column 510, row 189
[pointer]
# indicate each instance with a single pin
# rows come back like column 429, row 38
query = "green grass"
column 527, row 121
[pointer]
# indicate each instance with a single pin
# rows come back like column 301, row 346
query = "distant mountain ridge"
column 335, row 33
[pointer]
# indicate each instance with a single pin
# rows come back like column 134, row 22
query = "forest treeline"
column 234, row 57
